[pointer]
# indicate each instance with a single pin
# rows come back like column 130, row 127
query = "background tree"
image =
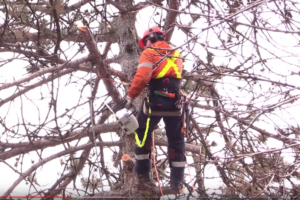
column 241, row 70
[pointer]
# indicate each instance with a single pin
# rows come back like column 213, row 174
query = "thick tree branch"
column 98, row 61
column 117, row 5
column 171, row 18
column 26, row 147
column 188, row 147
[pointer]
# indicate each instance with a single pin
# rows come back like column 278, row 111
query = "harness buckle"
column 166, row 90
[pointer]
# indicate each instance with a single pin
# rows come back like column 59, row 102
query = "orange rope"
column 153, row 146
column 191, row 179
column 190, row 175
column 183, row 129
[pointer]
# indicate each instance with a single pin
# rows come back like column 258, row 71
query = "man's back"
column 156, row 62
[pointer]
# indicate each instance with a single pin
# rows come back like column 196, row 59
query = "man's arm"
column 142, row 76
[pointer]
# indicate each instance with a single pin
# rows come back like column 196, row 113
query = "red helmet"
column 154, row 29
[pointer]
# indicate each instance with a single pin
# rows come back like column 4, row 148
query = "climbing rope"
column 190, row 175
column 154, row 164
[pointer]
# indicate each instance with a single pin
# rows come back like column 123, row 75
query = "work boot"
column 145, row 177
column 176, row 185
column 176, row 178
column 142, row 169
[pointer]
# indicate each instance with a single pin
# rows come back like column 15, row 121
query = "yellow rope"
column 138, row 142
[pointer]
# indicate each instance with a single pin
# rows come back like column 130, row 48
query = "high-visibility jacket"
column 169, row 67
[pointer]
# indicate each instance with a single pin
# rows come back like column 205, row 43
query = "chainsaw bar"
column 120, row 105
column 117, row 107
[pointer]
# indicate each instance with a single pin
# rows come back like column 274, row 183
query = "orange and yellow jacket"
column 170, row 66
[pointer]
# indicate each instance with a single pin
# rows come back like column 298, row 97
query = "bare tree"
column 241, row 77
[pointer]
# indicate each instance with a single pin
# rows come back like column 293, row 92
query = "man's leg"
column 176, row 150
column 143, row 154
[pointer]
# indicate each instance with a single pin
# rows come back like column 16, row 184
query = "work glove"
column 128, row 104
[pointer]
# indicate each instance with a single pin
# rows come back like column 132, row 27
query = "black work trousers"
column 176, row 145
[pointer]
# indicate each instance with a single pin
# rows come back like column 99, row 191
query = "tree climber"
column 160, row 68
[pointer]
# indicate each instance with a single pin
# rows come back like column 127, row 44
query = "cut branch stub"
column 128, row 161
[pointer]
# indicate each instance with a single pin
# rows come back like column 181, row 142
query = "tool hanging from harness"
column 164, row 96
column 166, row 99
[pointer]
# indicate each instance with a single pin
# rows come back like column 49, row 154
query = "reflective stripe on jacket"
column 171, row 66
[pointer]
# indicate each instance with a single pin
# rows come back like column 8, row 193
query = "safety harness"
column 165, row 88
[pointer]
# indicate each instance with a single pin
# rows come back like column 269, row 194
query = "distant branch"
column 42, row 53
column 28, row 88
column 57, row 155
column 251, row 125
column 71, row 64
column 57, row 25
column 76, row 5
column 209, row 154
column 65, row 180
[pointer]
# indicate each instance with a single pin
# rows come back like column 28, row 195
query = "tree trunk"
column 130, row 53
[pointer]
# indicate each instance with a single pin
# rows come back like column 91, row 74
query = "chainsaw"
column 127, row 120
